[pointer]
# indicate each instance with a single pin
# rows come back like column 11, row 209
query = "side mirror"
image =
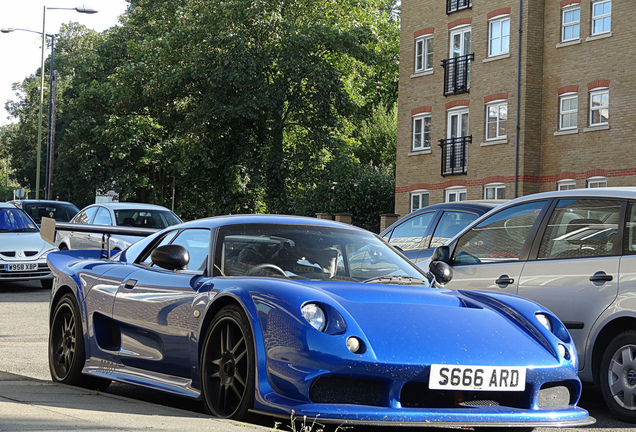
column 442, row 272
column 441, row 253
column 171, row 257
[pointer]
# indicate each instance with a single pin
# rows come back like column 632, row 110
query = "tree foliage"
column 232, row 106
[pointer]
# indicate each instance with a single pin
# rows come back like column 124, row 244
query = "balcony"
column 455, row 155
column 457, row 74
column 457, row 5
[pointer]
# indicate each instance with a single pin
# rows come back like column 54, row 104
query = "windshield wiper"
column 397, row 280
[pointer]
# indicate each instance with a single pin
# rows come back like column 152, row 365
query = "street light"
column 81, row 9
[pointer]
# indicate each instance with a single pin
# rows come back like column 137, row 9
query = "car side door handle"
column 130, row 283
column 601, row 277
column 504, row 280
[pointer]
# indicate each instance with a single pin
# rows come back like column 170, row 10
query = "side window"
column 164, row 241
column 501, row 237
column 630, row 229
column 197, row 242
column 450, row 224
column 102, row 217
column 580, row 229
column 409, row 235
column 84, row 217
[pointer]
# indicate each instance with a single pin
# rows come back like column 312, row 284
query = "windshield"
column 59, row 212
column 15, row 220
column 159, row 219
column 309, row 252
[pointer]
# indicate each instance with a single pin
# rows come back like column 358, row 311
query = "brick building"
column 488, row 95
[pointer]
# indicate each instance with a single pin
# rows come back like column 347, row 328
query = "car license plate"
column 486, row 378
column 20, row 267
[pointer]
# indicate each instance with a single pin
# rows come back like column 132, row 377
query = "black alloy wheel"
column 66, row 347
column 618, row 376
column 227, row 365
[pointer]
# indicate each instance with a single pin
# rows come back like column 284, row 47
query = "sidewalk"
column 28, row 404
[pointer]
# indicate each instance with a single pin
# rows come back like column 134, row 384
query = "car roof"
column 34, row 201
column 613, row 192
column 216, row 221
column 128, row 205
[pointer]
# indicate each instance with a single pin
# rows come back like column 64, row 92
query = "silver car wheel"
column 621, row 376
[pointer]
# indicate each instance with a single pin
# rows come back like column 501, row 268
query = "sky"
column 21, row 52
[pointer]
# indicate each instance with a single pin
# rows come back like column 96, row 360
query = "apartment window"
column 496, row 120
column 601, row 17
column 568, row 108
column 599, row 107
column 422, row 132
column 571, row 23
column 499, row 37
column 596, row 182
column 419, row 199
column 455, row 194
column 566, row 184
column 424, row 54
column 495, row 191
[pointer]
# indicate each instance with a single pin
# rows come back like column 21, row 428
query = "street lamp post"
column 41, row 114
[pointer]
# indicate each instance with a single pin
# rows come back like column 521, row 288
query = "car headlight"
column 314, row 316
column 545, row 320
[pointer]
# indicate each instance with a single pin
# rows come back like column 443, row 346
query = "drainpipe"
column 518, row 101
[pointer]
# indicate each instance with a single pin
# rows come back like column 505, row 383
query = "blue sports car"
column 283, row 314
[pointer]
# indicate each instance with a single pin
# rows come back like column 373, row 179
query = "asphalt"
column 29, row 404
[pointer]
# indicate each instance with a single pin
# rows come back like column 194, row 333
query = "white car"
column 135, row 215
column 22, row 250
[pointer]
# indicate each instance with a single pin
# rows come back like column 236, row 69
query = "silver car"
column 135, row 215
column 22, row 250
column 575, row 253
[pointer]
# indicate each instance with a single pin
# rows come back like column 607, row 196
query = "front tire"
column 227, row 365
column 66, row 347
column 618, row 376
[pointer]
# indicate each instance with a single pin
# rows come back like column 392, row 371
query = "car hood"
column 23, row 241
column 418, row 324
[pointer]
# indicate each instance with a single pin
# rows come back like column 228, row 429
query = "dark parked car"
column 419, row 232
column 61, row 211
column 574, row 252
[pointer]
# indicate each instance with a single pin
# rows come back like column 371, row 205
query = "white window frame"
column 424, row 50
column 423, row 134
column 594, row 109
column 596, row 182
column 460, row 193
column 569, row 113
column 572, row 24
column 498, row 122
column 601, row 17
column 498, row 191
column 503, row 40
column 566, row 184
column 419, row 194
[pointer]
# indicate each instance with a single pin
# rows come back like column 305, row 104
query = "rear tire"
column 227, row 365
column 66, row 347
column 618, row 376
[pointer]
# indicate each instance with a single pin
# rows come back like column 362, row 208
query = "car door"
column 102, row 217
column 413, row 235
column 81, row 240
column 491, row 255
column 575, row 273
column 154, row 308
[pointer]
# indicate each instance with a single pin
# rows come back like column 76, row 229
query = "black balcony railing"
column 457, row 5
column 455, row 155
column 457, row 74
